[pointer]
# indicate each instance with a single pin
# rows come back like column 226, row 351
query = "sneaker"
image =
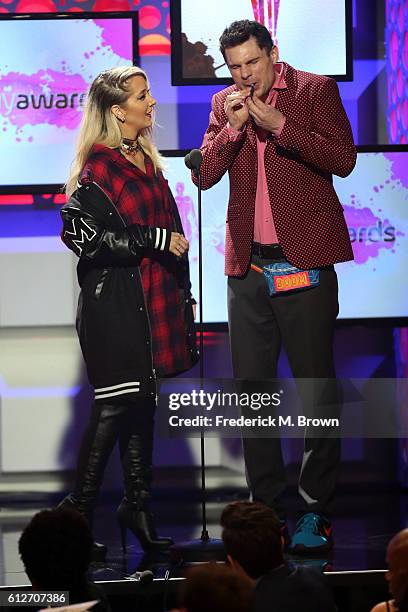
column 313, row 535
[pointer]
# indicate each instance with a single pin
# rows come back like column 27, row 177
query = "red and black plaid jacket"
column 146, row 199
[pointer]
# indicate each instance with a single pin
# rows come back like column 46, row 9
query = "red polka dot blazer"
column 315, row 143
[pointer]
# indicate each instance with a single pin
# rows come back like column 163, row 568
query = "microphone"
column 145, row 577
column 193, row 160
column 188, row 162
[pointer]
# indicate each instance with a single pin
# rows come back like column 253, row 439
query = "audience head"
column 216, row 588
column 55, row 548
column 397, row 558
column 252, row 537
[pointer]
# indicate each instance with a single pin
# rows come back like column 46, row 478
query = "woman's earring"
column 121, row 118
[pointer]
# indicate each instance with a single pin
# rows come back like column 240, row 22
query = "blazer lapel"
column 251, row 132
column 284, row 103
column 286, row 97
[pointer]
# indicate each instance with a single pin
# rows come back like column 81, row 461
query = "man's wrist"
column 235, row 133
column 278, row 130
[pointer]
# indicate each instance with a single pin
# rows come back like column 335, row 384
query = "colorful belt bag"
column 282, row 277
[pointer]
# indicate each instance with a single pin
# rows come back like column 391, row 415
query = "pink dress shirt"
column 264, row 227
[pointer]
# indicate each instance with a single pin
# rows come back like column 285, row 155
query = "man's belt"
column 267, row 251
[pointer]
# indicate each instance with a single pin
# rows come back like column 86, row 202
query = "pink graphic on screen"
column 116, row 34
column 44, row 79
column 371, row 228
column 266, row 12
column 398, row 168
column 369, row 233
column 218, row 239
column 188, row 218
column 56, row 97
column 186, row 209
column 47, row 96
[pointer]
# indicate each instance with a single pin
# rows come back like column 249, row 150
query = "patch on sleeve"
column 81, row 234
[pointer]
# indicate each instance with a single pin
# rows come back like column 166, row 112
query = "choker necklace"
column 130, row 147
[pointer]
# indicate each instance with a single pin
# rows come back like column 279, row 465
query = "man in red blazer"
column 281, row 134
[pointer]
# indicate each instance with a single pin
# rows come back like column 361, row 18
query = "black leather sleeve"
column 150, row 237
column 90, row 240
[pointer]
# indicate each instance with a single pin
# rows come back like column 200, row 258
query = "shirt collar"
column 283, row 569
column 280, row 83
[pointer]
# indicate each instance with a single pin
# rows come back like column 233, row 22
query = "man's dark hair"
column 217, row 588
column 241, row 31
column 252, row 536
column 55, row 548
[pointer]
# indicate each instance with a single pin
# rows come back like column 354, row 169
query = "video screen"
column 375, row 201
column 310, row 36
column 47, row 63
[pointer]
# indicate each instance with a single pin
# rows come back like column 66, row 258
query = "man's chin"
column 261, row 93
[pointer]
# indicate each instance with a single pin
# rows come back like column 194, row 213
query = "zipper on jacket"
column 149, row 329
column 101, row 282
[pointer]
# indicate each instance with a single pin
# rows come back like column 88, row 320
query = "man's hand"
column 178, row 244
column 265, row 116
column 236, row 109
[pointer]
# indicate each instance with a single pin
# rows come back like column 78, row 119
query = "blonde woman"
column 135, row 313
column 397, row 575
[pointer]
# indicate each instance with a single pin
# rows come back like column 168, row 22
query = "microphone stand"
column 206, row 548
column 204, row 534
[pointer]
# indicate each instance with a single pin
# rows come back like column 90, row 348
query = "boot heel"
column 123, row 534
column 139, row 522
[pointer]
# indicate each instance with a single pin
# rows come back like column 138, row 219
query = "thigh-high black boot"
column 97, row 443
column 136, row 449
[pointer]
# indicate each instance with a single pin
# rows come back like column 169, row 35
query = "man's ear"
column 235, row 565
column 275, row 54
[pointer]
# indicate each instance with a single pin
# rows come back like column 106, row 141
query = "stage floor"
column 366, row 521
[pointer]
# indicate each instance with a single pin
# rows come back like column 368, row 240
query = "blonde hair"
column 100, row 126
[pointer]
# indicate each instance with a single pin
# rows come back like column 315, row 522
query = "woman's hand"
column 178, row 244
